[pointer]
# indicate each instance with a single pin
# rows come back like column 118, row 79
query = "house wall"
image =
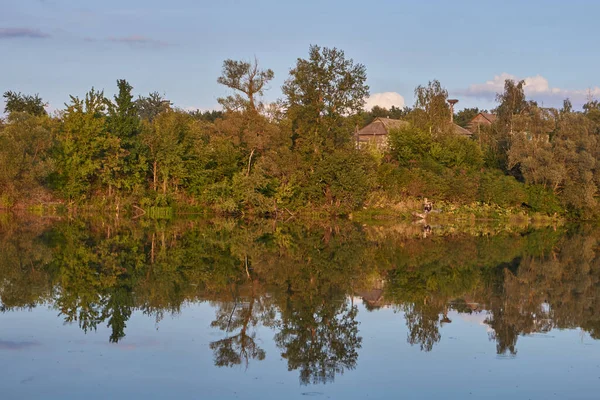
column 379, row 141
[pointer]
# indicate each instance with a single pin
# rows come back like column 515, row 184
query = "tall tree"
column 80, row 144
column 247, row 78
column 25, row 156
column 150, row 106
column 512, row 103
column 125, row 157
column 324, row 96
column 18, row 102
column 123, row 114
column 250, row 82
column 431, row 111
column 170, row 140
column 591, row 109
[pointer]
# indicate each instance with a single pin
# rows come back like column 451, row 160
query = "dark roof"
column 382, row 126
column 459, row 130
column 488, row 116
column 390, row 123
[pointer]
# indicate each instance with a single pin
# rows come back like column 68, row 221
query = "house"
column 372, row 295
column 481, row 119
column 376, row 133
column 460, row 131
column 372, row 299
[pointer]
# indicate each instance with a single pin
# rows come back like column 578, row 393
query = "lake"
column 100, row 308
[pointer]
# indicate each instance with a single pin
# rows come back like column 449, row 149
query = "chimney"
column 452, row 102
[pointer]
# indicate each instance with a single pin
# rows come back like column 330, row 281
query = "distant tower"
column 452, row 102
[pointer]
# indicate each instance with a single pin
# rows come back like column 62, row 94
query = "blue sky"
column 59, row 48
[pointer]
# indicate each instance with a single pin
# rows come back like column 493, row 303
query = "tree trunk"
column 164, row 185
column 154, row 165
column 152, row 249
column 248, row 317
column 249, row 162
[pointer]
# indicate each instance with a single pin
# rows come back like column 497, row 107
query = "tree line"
column 298, row 153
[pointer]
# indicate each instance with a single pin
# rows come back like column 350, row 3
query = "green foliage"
column 464, row 116
column 457, row 152
column 431, row 112
column 152, row 105
column 25, row 159
column 380, row 112
column 127, row 159
column 207, row 116
column 215, row 164
column 81, row 140
column 591, row 110
column 512, row 102
column 298, row 153
column 320, row 92
column 412, row 146
column 543, row 200
column 565, row 163
column 246, row 78
column 505, row 191
column 170, row 140
column 302, row 281
column 160, row 212
column 409, row 145
column 23, row 103
column 344, row 179
column 445, row 168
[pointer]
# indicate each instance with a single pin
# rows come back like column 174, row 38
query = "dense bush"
column 344, row 178
column 496, row 188
column 409, row 145
column 543, row 200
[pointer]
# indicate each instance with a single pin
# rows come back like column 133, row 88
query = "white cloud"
column 385, row 100
column 536, row 87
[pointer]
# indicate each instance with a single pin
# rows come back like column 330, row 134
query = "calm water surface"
column 224, row 309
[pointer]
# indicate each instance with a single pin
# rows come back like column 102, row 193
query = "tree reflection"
column 422, row 321
column 298, row 281
column 241, row 316
column 320, row 340
column 116, row 311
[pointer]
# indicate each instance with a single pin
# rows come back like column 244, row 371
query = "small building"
column 481, row 119
column 376, row 133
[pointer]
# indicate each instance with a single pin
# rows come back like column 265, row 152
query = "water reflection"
column 301, row 281
column 239, row 318
column 318, row 337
